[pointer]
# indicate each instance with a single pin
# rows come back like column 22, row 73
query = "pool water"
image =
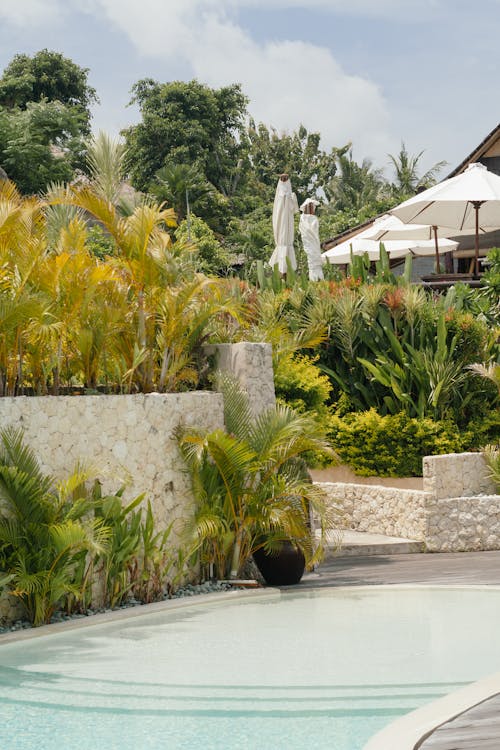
column 322, row 669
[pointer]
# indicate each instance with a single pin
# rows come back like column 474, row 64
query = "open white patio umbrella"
column 469, row 201
column 285, row 206
column 341, row 254
column 389, row 227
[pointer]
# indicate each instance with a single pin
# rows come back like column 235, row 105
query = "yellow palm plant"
column 187, row 314
column 251, row 487
column 86, row 309
column 22, row 249
column 166, row 308
column 140, row 241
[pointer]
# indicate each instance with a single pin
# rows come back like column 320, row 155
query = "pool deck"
column 446, row 568
column 478, row 726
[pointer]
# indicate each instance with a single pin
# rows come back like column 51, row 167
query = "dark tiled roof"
column 478, row 151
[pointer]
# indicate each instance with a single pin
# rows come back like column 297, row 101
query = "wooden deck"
column 475, row 729
column 443, row 568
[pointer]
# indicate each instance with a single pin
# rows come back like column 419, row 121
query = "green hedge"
column 301, row 384
column 391, row 445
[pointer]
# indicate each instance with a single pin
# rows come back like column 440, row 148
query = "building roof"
column 478, row 152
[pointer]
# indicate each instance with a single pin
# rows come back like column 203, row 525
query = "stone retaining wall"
column 127, row 438
column 252, row 365
column 379, row 510
column 130, row 438
column 457, row 510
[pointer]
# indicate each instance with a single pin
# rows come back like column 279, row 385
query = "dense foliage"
column 394, row 355
column 133, row 320
column 47, row 76
column 251, row 486
column 55, row 537
column 44, row 119
column 114, row 284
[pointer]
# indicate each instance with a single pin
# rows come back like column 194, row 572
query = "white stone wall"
column 131, row 438
column 380, row 510
column 252, row 364
column 456, row 475
column 457, row 510
column 125, row 438
column 463, row 524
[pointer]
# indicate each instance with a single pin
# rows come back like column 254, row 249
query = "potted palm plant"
column 252, row 490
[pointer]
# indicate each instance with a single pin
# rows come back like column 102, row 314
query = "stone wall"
column 463, row 511
column 125, row 438
column 457, row 510
column 456, row 475
column 130, row 439
column 252, row 365
column 379, row 510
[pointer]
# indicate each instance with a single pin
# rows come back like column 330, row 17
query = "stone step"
column 362, row 543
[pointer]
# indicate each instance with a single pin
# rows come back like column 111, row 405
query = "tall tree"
column 356, row 193
column 189, row 124
column 356, row 185
column 44, row 119
column 51, row 76
column 40, row 144
column 407, row 179
column 297, row 153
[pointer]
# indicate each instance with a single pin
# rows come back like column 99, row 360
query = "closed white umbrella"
column 285, row 206
column 469, row 201
column 395, row 249
column 309, row 231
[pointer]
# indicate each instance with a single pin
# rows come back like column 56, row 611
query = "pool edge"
column 167, row 605
column 410, row 730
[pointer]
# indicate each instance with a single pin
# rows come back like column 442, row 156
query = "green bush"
column 482, row 431
column 391, row 445
column 212, row 257
column 300, row 384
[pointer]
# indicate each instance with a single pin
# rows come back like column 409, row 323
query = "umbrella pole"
column 477, row 205
column 436, row 246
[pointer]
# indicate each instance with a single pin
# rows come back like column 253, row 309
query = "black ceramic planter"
column 285, row 568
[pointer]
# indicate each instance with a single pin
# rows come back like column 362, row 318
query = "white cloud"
column 26, row 13
column 288, row 82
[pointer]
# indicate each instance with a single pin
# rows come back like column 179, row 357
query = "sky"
column 370, row 72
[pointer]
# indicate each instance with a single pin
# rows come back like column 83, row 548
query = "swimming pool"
column 322, row 669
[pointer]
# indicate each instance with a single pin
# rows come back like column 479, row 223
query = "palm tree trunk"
column 235, row 562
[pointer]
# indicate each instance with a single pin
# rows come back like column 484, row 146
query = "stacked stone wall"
column 127, row 439
column 379, row 510
column 252, row 365
column 457, row 511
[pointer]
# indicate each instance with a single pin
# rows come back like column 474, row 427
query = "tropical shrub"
column 390, row 445
column 138, row 561
column 63, row 548
column 491, row 277
column 211, row 256
column 252, row 490
column 492, row 458
column 301, row 384
column 47, row 533
column 395, row 349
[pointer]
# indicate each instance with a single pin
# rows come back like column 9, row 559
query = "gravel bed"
column 189, row 590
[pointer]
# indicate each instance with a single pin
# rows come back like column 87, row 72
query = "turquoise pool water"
column 323, row 669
